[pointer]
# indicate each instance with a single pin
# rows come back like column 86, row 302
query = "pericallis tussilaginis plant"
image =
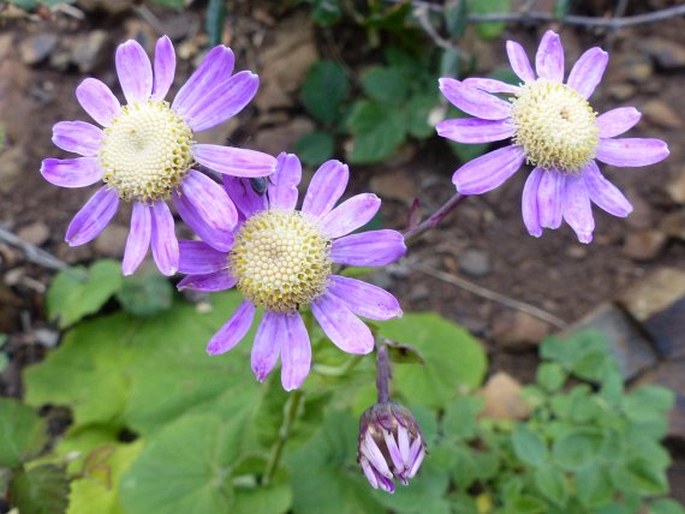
column 211, row 440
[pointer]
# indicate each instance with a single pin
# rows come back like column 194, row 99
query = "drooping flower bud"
column 391, row 445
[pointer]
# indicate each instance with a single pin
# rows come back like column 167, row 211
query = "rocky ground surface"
column 479, row 268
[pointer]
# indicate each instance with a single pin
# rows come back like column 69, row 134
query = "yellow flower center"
column 555, row 125
column 280, row 260
column 146, row 151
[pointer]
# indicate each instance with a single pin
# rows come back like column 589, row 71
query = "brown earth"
column 43, row 57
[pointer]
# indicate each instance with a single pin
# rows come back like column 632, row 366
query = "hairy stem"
column 434, row 219
column 290, row 415
column 382, row 373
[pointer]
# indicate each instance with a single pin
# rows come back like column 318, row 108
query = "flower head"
column 281, row 259
column 390, row 445
column 552, row 127
column 145, row 152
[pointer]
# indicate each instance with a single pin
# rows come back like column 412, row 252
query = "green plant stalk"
column 291, row 408
column 337, row 371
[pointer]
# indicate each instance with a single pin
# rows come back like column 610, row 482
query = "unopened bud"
column 391, row 445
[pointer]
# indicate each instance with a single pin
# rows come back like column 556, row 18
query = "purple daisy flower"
column 553, row 128
column 145, row 153
column 281, row 258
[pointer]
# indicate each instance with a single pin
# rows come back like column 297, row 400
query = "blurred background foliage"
column 129, row 416
column 134, row 419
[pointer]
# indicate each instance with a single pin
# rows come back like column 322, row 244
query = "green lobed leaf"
column 419, row 109
column 460, row 420
column 456, row 18
column 377, row 131
column 22, row 433
column 97, row 491
column 577, row 447
column 215, row 17
column 40, row 490
column 189, row 467
column 325, row 476
column 70, row 299
column 489, row 30
column 386, row 85
column 146, row 293
column 551, row 376
column 529, row 446
column 593, row 487
column 552, row 483
column 315, row 148
column 173, row 4
column 455, row 361
column 324, row 90
column 666, row 506
column 325, row 12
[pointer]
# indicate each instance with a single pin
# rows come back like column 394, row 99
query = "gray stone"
column 36, row 233
column 671, row 374
column 660, row 114
column 644, row 245
column 89, row 50
column 517, row 330
column 474, row 262
column 112, row 241
column 658, row 303
column 673, row 224
column 668, row 54
column 629, row 347
column 37, row 48
column 676, row 188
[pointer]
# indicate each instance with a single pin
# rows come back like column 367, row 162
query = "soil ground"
column 483, row 241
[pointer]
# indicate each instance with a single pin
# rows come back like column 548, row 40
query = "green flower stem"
column 291, row 410
column 337, row 371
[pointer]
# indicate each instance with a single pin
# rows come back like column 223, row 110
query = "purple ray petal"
column 417, row 462
column 617, row 121
column 549, row 59
column 491, row 85
column 232, row 332
column 198, row 258
column 551, row 191
column 631, row 151
column 270, row 336
column 134, row 71
column 239, row 162
column 488, row 171
column 163, row 241
column 529, row 202
column 604, row 194
column 206, row 208
column 339, row 323
column 519, row 62
column 403, row 443
column 296, row 352
column 247, row 200
column 325, row 188
column 98, row 101
column 474, row 101
column 77, row 136
column 208, row 283
column 587, row 71
column 475, row 130
column 93, row 217
column 364, row 299
column 138, row 240
column 78, row 172
column 350, row 215
column 372, row 248
column 283, row 183
column 369, row 472
column 214, row 69
column 164, row 67
column 578, row 209
column 373, row 453
column 393, row 450
column 222, row 102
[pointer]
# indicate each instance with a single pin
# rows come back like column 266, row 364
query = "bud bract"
column 391, row 446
